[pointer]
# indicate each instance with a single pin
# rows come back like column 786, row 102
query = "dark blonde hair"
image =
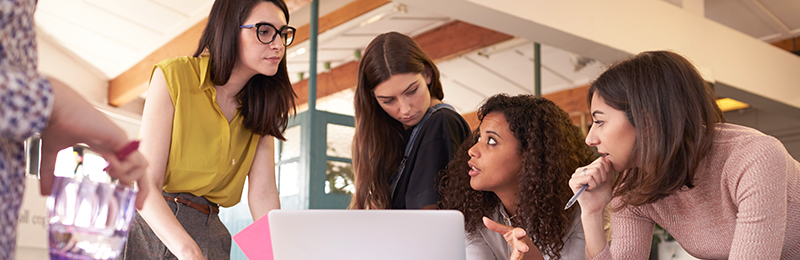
column 378, row 140
column 266, row 102
column 674, row 112
column 551, row 148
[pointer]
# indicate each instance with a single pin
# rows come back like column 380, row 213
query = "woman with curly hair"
column 512, row 170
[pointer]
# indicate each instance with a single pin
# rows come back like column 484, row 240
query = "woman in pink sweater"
column 723, row 191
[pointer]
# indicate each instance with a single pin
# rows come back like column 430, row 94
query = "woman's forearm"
column 156, row 137
column 262, row 188
column 159, row 217
column 261, row 204
column 594, row 233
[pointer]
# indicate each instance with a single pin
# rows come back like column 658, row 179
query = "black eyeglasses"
column 266, row 33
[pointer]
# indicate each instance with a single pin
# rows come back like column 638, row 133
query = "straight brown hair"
column 265, row 102
column 378, row 141
column 674, row 113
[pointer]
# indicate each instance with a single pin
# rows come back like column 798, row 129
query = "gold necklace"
column 508, row 219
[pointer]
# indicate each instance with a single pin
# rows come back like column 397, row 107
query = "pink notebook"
column 255, row 241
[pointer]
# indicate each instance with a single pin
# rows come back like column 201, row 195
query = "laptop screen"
column 367, row 234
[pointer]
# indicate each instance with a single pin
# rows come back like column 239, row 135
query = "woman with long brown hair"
column 208, row 124
column 509, row 170
column 404, row 133
column 723, row 191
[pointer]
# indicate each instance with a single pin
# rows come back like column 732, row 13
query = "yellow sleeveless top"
column 208, row 156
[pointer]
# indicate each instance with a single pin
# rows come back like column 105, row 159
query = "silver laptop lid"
column 367, row 234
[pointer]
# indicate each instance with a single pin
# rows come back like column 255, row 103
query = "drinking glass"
column 88, row 219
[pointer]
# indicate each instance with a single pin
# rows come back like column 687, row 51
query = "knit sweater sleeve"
column 757, row 181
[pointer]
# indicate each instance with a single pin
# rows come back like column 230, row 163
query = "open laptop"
column 367, row 234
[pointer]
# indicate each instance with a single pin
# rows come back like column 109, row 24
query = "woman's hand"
column 597, row 175
column 73, row 120
column 521, row 244
column 128, row 169
column 191, row 252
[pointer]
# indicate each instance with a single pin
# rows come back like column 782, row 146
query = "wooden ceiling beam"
column 573, row 101
column 441, row 43
column 133, row 82
column 791, row 45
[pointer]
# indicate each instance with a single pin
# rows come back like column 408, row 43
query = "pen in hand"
column 575, row 197
column 128, row 149
column 132, row 146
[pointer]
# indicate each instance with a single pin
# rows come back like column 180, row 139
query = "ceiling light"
column 729, row 104
column 372, row 20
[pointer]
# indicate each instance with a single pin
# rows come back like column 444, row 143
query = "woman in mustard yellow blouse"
column 208, row 124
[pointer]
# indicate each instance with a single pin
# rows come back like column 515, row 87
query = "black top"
column 434, row 147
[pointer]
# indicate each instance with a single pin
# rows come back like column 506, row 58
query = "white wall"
column 59, row 63
column 616, row 29
column 32, row 226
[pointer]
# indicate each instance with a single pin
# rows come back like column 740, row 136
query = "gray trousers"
column 207, row 231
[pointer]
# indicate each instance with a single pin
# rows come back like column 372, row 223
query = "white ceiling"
column 339, row 44
column 468, row 79
column 113, row 35
column 767, row 20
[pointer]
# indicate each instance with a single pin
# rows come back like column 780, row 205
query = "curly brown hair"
column 551, row 148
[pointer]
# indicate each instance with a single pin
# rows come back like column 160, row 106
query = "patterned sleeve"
column 25, row 95
column 25, row 102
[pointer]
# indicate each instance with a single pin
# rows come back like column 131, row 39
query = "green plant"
column 660, row 234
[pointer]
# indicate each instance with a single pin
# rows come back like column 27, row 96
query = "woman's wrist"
column 113, row 139
column 190, row 251
column 586, row 215
column 594, row 232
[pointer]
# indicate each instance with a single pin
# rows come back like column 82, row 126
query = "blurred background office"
column 105, row 49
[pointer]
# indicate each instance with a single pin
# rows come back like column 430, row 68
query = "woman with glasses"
column 208, row 123
column 404, row 133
